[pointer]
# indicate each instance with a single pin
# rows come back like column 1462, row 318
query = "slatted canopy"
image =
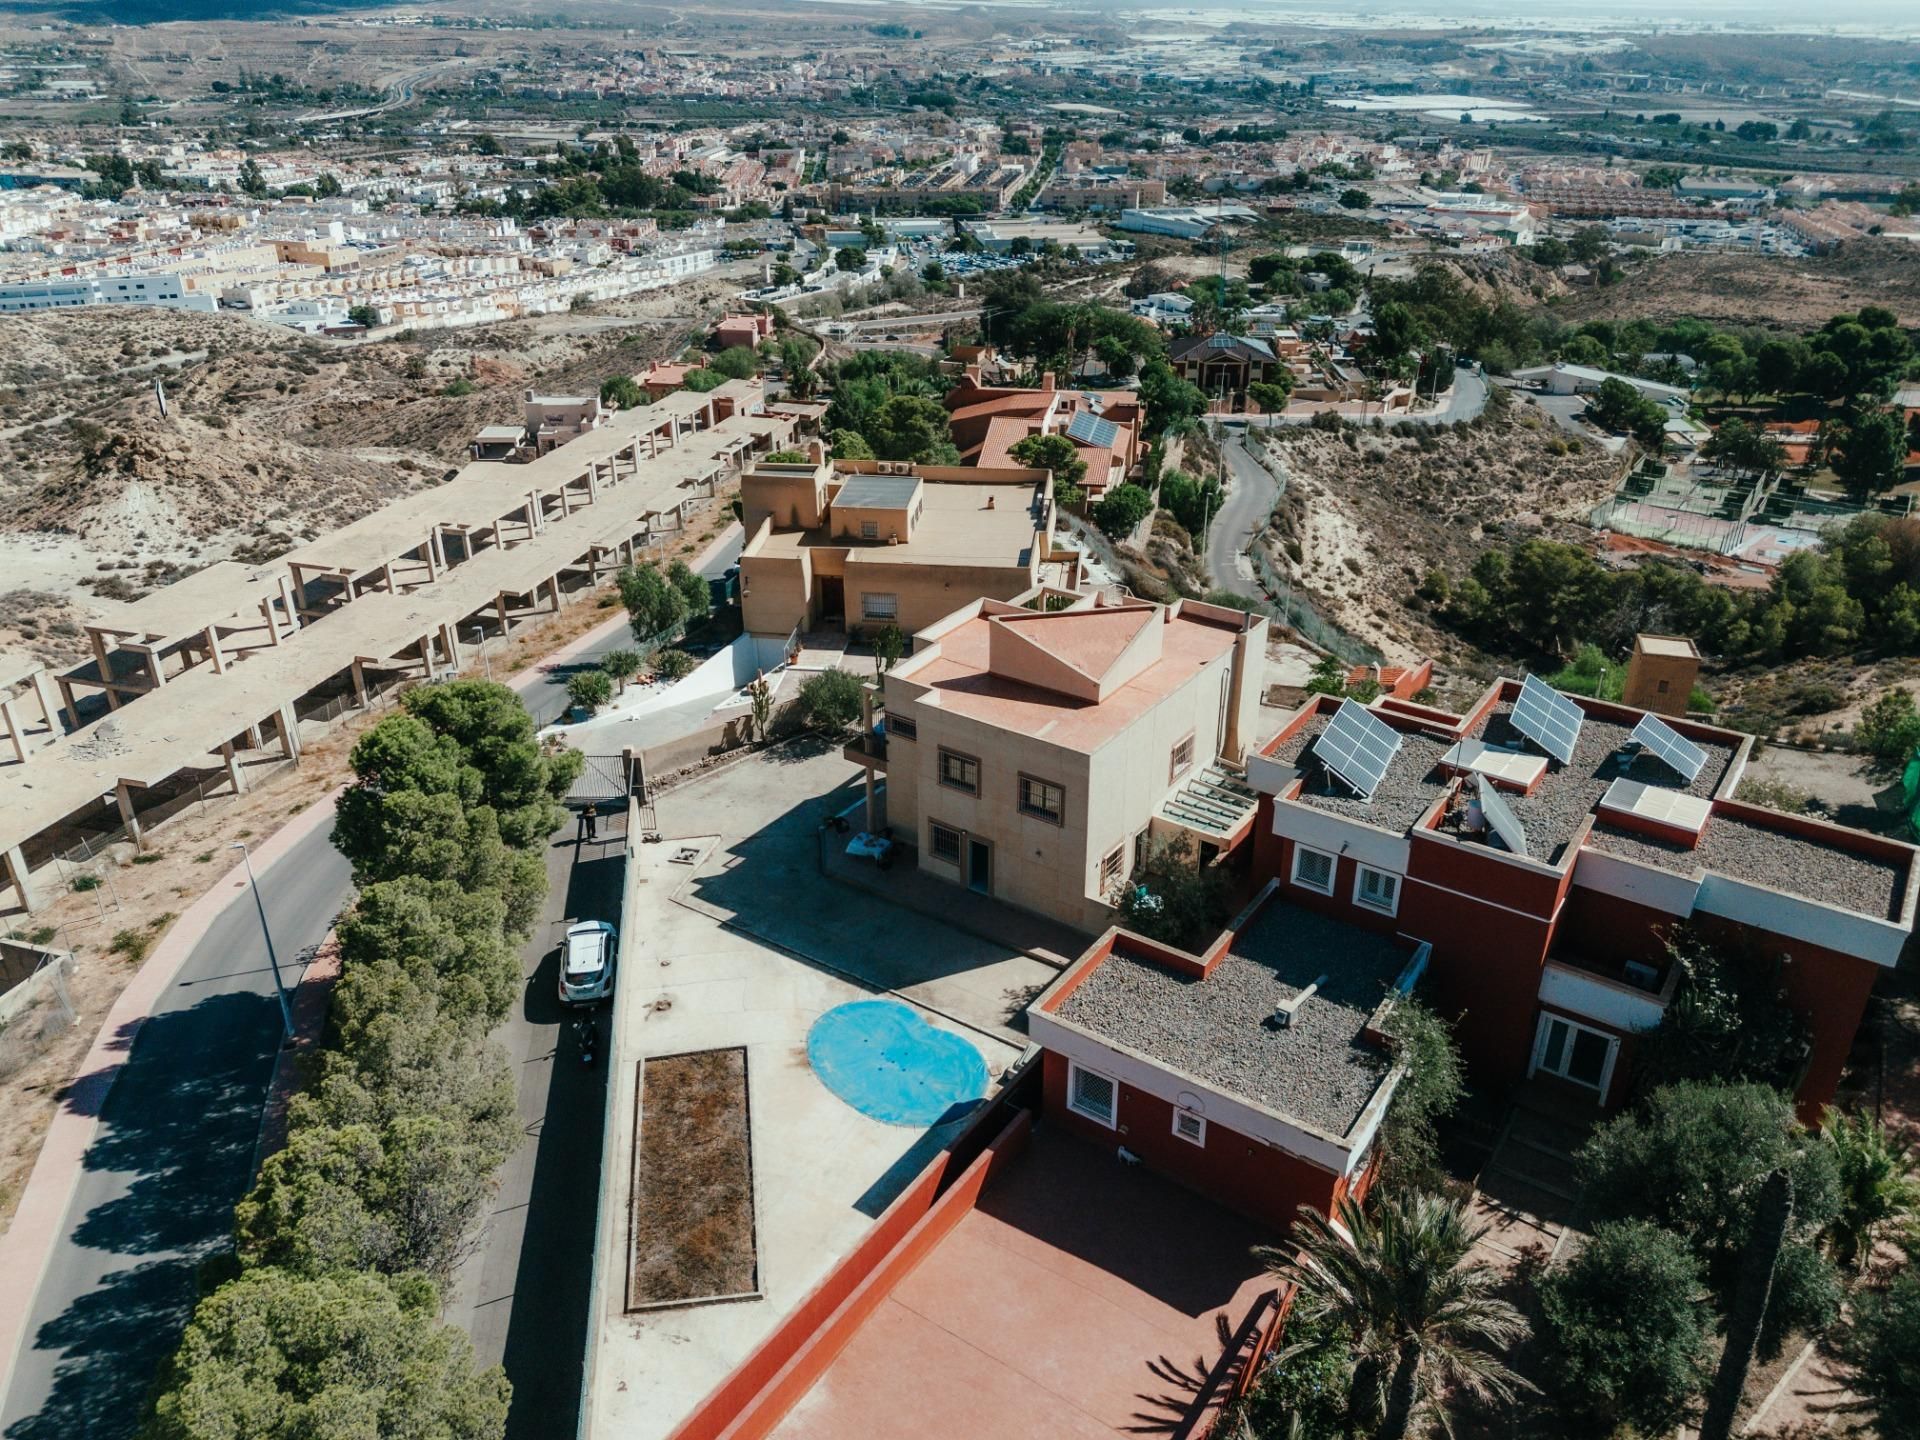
column 1547, row 718
column 1682, row 756
column 1357, row 747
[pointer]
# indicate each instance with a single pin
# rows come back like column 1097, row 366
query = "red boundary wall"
column 750, row 1402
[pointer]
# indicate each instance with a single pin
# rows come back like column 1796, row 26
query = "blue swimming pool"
column 888, row 1063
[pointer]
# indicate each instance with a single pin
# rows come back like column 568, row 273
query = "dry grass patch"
column 693, row 1234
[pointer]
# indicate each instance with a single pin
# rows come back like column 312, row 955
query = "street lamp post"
column 273, row 960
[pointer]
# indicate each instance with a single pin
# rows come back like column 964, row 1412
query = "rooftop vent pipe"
column 1284, row 1013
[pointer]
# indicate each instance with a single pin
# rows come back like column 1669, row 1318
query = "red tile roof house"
column 1104, row 425
column 737, row 331
column 1553, row 958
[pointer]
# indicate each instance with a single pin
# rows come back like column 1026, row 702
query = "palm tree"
column 1878, row 1191
column 1423, row 1319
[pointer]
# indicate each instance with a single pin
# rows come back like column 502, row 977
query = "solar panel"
column 1683, row 756
column 1092, row 430
column 1501, row 818
column 1357, row 747
column 1547, row 718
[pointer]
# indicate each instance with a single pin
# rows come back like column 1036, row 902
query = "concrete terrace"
column 1042, row 1314
column 380, row 601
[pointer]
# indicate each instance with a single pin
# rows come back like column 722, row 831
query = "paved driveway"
column 1242, row 516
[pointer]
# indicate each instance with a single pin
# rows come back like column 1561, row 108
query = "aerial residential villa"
column 553, row 420
column 1104, row 425
column 858, row 545
column 1033, row 754
column 1545, row 845
column 1223, row 365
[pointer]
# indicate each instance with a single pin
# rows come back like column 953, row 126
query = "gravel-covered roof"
column 1776, row 859
column 1318, row 1070
column 1551, row 816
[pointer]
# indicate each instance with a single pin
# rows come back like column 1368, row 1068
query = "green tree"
column 273, row 1356
column 1272, row 395
column 1729, row 1020
column 1873, row 453
column 621, row 665
column 589, row 689
column 363, row 315
column 622, row 391
column 1172, row 403
column 1618, row 406
column 850, row 445
column 1192, row 502
column 830, row 700
column 1428, row 1092
column 1627, row 1327
column 1175, row 899
column 1692, row 1161
column 907, row 427
column 1879, row 1195
column 1355, row 199
column 1055, row 453
column 888, row 646
column 1421, row 1319
column 1120, row 511
column 735, row 363
column 693, row 589
column 655, row 607
column 850, row 258
column 1889, row 727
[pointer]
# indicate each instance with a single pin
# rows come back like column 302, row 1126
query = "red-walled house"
column 1553, row 958
column 1256, row 1073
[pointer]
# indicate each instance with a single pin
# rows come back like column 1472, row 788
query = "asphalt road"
column 176, row 1144
column 1242, row 515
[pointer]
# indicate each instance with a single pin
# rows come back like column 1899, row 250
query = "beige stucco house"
column 1032, row 754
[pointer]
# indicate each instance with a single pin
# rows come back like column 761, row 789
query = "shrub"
column 458, row 387
column 1884, row 1345
column 1626, row 1329
column 590, row 689
column 623, row 392
column 1428, row 1092
column 674, row 664
column 132, row 944
column 1729, row 1020
column 1121, row 510
column 84, row 883
column 1175, row 899
column 621, row 665
column 1890, row 727
column 830, row 700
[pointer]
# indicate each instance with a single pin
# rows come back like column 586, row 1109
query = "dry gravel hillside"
column 1367, row 513
column 270, row 437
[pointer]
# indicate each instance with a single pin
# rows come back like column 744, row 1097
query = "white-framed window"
column 1191, row 1127
column 1574, row 1052
column 1313, row 870
column 876, row 606
column 869, row 529
column 1377, row 890
column 1092, row 1094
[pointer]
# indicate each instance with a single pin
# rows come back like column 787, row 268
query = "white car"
column 586, row 963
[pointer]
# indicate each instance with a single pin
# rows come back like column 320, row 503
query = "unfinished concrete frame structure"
column 203, row 675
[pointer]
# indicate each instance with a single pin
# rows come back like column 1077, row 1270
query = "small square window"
column 901, row 727
column 1091, row 1094
column 959, row 772
column 1182, row 759
column 1313, row 870
column 1190, row 1127
column 1377, row 890
column 1663, row 687
column 1043, row 800
column 944, row 842
column 869, row 530
column 875, row 606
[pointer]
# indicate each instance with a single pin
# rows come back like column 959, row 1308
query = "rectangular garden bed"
column 691, row 1233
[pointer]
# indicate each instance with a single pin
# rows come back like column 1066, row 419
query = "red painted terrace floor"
column 1082, row 1297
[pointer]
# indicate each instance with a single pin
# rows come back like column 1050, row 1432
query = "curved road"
column 175, row 1149
column 1243, row 514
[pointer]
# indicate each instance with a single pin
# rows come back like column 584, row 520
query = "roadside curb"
column 27, row 1246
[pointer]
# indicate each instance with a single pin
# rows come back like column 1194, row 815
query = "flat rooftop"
column 957, row 526
column 1219, row 1029
column 961, row 680
column 1056, row 1308
column 1552, row 816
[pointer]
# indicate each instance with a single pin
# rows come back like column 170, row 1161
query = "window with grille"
column 1377, row 890
column 1043, row 800
column 901, row 727
column 1313, row 870
column 944, row 842
column 879, row 607
column 1182, row 759
column 1112, row 869
column 959, row 772
column 1091, row 1094
column 1190, row 1127
column 869, row 530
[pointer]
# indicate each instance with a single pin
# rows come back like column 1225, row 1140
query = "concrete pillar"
column 500, row 605
column 533, row 513
column 433, row 566
column 125, row 798
column 49, row 706
column 236, row 776
column 553, row 586
column 566, row 501
column 289, row 726
column 154, row 668
column 450, row 643
column 16, row 865
column 359, row 673
column 386, row 576
column 254, row 740
column 439, row 548
column 216, row 653
column 1233, row 743
column 12, row 722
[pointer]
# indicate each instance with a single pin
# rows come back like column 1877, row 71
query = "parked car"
column 586, row 963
